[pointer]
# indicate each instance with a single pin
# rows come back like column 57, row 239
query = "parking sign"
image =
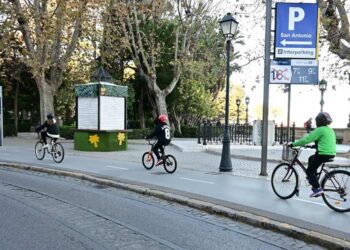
column 296, row 33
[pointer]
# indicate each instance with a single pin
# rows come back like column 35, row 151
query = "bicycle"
column 169, row 161
column 285, row 180
column 54, row 148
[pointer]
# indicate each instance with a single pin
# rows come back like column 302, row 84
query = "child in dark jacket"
column 162, row 133
column 51, row 129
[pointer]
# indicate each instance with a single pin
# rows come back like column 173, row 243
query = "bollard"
column 281, row 133
column 199, row 133
column 204, row 134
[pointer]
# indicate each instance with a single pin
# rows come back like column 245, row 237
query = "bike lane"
column 253, row 195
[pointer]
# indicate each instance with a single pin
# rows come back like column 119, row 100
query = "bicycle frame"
column 162, row 152
column 296, row 161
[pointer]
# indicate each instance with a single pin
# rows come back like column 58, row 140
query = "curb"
column 245, row 217
column 243, row 157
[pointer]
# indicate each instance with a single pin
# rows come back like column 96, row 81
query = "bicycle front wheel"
column 284, row 181
column 39, row 150
column 57, row 152
column 170, row 164
column 148, row 160
column 336, row 188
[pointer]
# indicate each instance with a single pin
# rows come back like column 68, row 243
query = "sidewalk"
column 251, row 152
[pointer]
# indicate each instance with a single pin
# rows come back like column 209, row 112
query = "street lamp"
column 247, row 100
column 323, row 86
column 228, row 27
column 238, row 102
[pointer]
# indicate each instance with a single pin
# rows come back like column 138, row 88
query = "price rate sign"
column 294, row 71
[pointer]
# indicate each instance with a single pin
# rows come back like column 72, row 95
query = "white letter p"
column 293, row 18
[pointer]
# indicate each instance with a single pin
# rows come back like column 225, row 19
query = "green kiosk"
column 101, row 115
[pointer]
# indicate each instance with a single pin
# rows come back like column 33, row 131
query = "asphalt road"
column 254, row 195
column 39, row 211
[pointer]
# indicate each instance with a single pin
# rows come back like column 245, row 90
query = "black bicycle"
column 169, row 161
column 53, row 147
column 335, row 183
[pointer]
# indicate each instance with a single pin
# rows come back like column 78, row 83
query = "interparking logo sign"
column 296, row 34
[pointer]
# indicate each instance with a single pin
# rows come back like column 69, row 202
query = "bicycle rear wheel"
column 170, row 164
column 336, row 188
column 39, row 150
column 284, row 181
column 57, row 152
column 148, row 160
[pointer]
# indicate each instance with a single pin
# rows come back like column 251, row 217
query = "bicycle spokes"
column 149, row 156
column 336, row 187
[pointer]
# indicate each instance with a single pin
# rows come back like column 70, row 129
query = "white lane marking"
column 317, row 203
column 4, row 154
column 194, row 180
column 119, row 168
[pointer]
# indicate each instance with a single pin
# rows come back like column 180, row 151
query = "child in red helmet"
column 162, row 133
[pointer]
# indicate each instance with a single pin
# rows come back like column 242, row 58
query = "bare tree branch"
column 23, row 25
column 76, row 34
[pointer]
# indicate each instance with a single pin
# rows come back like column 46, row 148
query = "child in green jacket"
column 325, row 144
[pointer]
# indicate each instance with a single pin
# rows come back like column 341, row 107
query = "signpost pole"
column 288, row 115
column 2, row 120
column 263, row 171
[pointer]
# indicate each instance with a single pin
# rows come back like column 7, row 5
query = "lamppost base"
column 225, row 164
column 225, row 169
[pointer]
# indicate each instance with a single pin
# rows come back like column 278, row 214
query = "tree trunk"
column 160, row 103
column 178, row 126
column 46, row 93
column 68, row 114
column 141, row 111
column 16, row 108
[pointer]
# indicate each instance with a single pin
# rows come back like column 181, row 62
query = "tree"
column 50, row 31
column 335, row 20
column 139, row 26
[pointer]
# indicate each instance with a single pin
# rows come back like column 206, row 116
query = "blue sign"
column 295, row 71
column 296, row 33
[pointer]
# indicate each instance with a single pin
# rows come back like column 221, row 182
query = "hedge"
column 9, row 130
column 67, row 132
column 139, row 133
column 187, row 132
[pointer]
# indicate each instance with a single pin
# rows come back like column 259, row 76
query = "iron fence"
column 240, row 133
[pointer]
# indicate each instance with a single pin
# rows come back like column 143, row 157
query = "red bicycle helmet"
column 163, row 118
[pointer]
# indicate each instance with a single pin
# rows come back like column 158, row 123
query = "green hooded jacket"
column 325, row 139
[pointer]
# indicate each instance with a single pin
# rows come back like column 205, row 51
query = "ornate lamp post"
column 228, row 26
column 247, row 100
column 323, row 86
column 238, row 103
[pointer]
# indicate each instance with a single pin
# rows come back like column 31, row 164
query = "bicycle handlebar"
column 149, row 141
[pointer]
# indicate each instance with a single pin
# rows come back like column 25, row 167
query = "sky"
column 305, row 99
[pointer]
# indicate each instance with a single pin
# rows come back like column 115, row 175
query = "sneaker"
column 45, row 146
column 160, row 161
column 316, row 192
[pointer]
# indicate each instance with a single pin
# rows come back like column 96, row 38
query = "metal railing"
column 281, row 133
column 240, row 133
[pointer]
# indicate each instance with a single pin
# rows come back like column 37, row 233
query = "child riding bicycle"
column 162, row 133
column 325, row 144
column 51, row 129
